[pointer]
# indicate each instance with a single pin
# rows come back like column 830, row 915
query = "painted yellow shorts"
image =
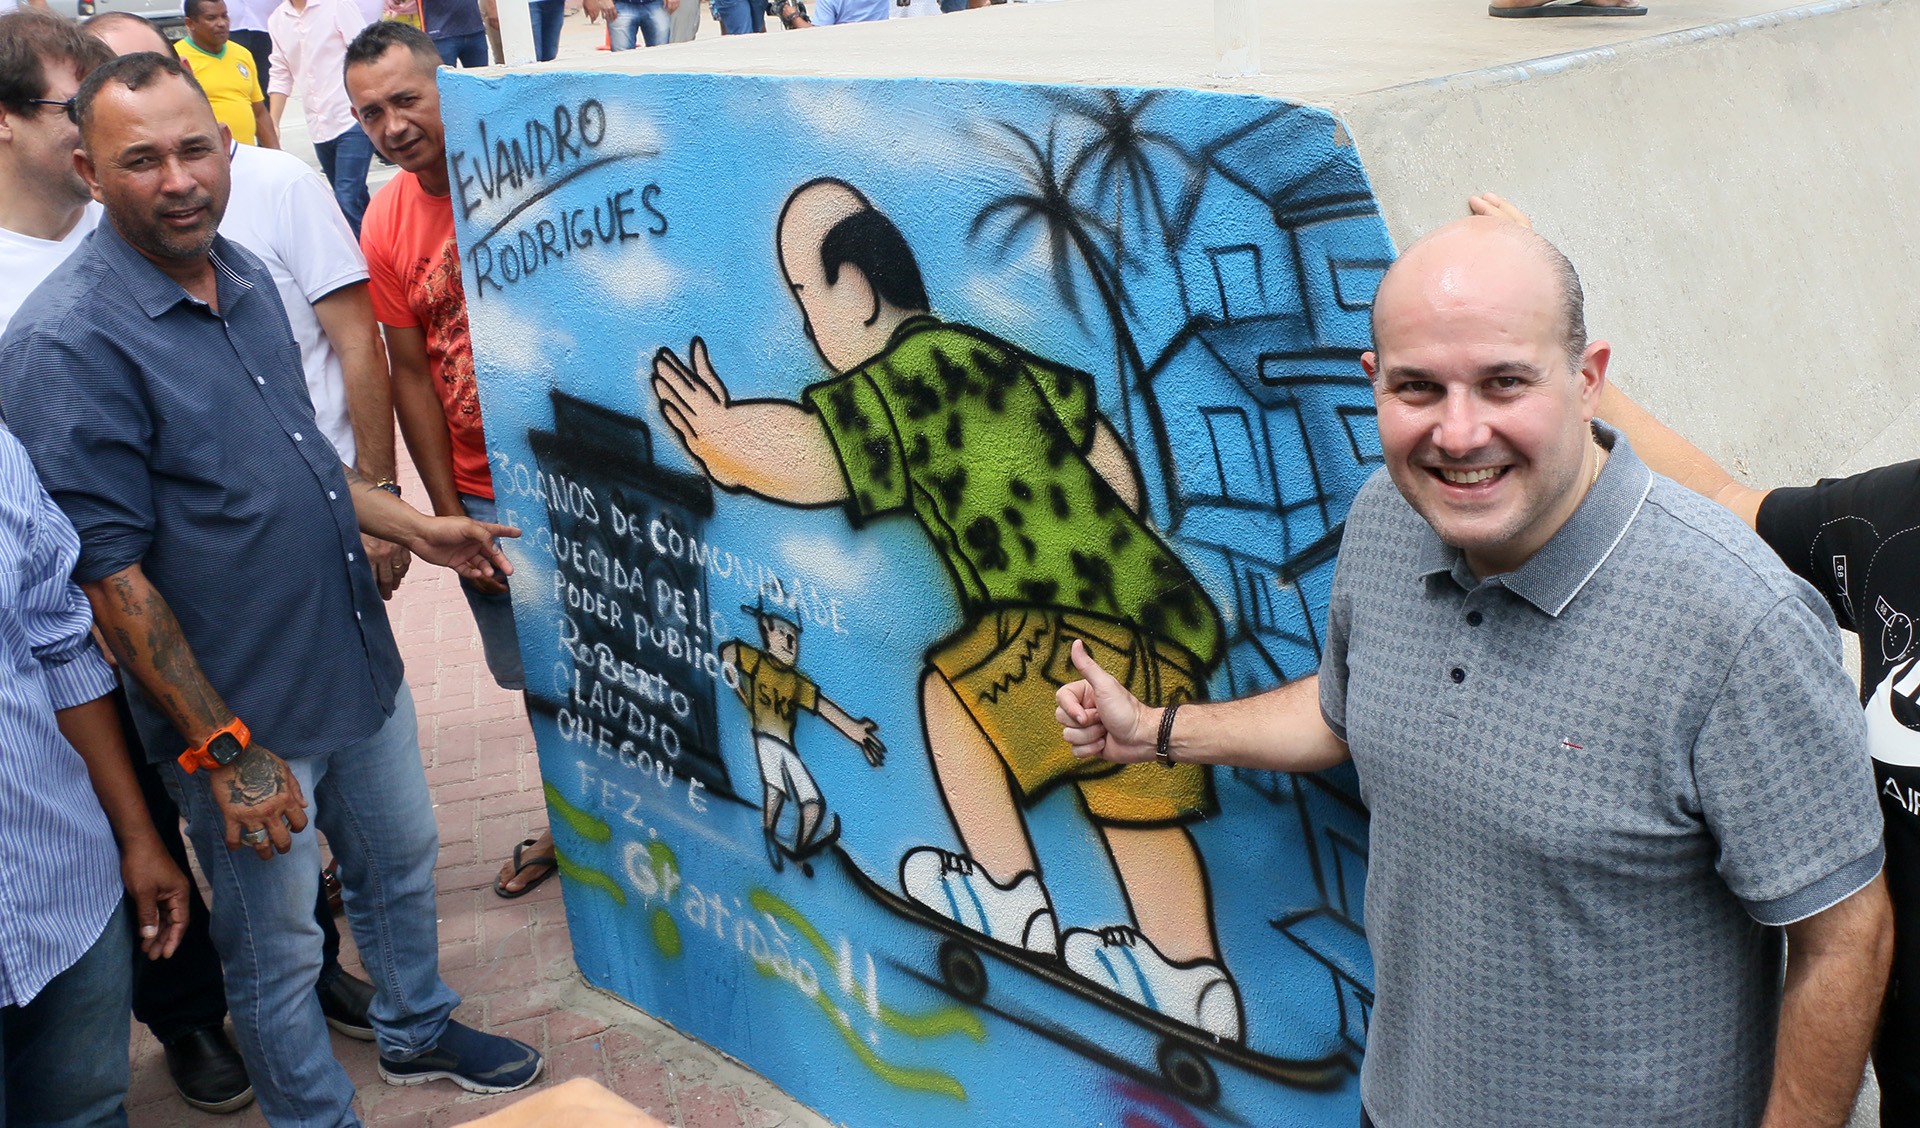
column 1005, row 668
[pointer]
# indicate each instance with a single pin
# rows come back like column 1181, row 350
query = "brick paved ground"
column 510, row 960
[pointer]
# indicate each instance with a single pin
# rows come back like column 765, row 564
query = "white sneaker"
column 1199, row 994
column 955, row 886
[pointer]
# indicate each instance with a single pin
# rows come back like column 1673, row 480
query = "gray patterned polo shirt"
column 1599, row 784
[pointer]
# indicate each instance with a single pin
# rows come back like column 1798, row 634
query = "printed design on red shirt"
column 441, row 306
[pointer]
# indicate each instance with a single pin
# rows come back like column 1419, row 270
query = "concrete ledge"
column 1739, row 197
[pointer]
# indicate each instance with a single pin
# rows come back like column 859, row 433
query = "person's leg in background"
column 654, row 27
column 549, row 16
column 740, row 17
column 685, row 22
column 463, row 50
column 324, row 151
column 182, row 1000
column 352, row 156
column 623, row 30
column 533, row 861
column 472, row 51
column 56, row 1069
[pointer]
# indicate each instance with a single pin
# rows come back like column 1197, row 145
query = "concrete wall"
column 1743, row 202
column 795, row 599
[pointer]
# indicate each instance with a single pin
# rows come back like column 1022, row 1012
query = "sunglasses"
column 66, row 107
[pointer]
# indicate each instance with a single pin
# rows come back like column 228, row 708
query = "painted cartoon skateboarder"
column 1032, row 503
column 775, row 693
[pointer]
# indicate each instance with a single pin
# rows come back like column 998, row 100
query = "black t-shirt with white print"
column 1857, row 540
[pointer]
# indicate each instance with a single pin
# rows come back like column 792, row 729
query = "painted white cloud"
column 840, row 563
column 632, row 274
column 504, row 335
column 881, row 130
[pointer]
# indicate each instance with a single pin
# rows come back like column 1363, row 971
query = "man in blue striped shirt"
column 156, row 383
column 67, row 796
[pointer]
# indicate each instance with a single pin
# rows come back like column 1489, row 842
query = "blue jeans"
column 738, row 17
column 63, row 1056
column 493, row 613
column 953, row 5
column 370, row 799
column 463, row 50
column 548, row 18
column 648, row 17
column 344, row 162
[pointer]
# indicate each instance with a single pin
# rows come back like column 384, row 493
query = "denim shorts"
column 493, row 614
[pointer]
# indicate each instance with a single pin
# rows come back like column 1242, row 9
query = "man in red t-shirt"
column 413, row 269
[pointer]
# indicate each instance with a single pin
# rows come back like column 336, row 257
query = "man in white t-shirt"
column 45, row 208
column 310, row 40
column 285, row 214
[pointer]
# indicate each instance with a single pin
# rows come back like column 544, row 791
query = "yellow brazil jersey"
column 232, row 82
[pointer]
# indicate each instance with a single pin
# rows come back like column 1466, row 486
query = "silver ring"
column 255, row 837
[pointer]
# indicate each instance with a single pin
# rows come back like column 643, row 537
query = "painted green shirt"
column 987, row 445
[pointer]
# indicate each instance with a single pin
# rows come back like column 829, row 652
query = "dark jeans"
column 64, row 1050
column 953, row 5
column 260, row 45
column 739, row 17
column 548, row 18
column 344, row 162
column 463, row 50
column 186, row 991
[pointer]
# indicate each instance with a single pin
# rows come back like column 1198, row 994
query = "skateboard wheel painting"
column 960, row 966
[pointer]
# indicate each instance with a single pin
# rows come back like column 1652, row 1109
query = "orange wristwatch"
column 221, row 749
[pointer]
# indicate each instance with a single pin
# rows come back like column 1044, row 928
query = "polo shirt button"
column 298, row 437
column 356, row 616
column 350, row 557
column 331, row 496
column 261, row 380
column 1458, row 675
column 1474, row 618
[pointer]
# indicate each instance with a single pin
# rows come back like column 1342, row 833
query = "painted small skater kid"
column 774, row 693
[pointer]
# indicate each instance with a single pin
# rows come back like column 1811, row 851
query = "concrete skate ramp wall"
column 835, row 413
column 1742, row 200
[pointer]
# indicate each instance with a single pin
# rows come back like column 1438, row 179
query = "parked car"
column 166, row 16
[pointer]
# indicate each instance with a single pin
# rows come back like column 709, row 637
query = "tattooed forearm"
column 148, row 640
column 256, row 778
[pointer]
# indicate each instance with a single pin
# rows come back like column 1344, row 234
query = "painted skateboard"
column 779, row 853
column 1186, row 1056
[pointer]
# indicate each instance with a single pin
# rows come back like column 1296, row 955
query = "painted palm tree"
column 1082, row 249
column 1125, row 160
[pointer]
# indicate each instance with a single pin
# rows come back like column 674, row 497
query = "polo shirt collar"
column 1553, row 576
column 156, row 292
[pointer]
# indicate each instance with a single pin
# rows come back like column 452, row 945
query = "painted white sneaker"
column 955, row 886
column 1199, row 994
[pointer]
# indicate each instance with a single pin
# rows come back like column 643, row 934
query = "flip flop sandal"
column 1556, row 8
column 521, row 862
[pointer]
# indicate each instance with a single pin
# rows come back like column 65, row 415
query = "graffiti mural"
column 833, row 413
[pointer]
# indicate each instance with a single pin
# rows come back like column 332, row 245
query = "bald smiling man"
column 1609, row 748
